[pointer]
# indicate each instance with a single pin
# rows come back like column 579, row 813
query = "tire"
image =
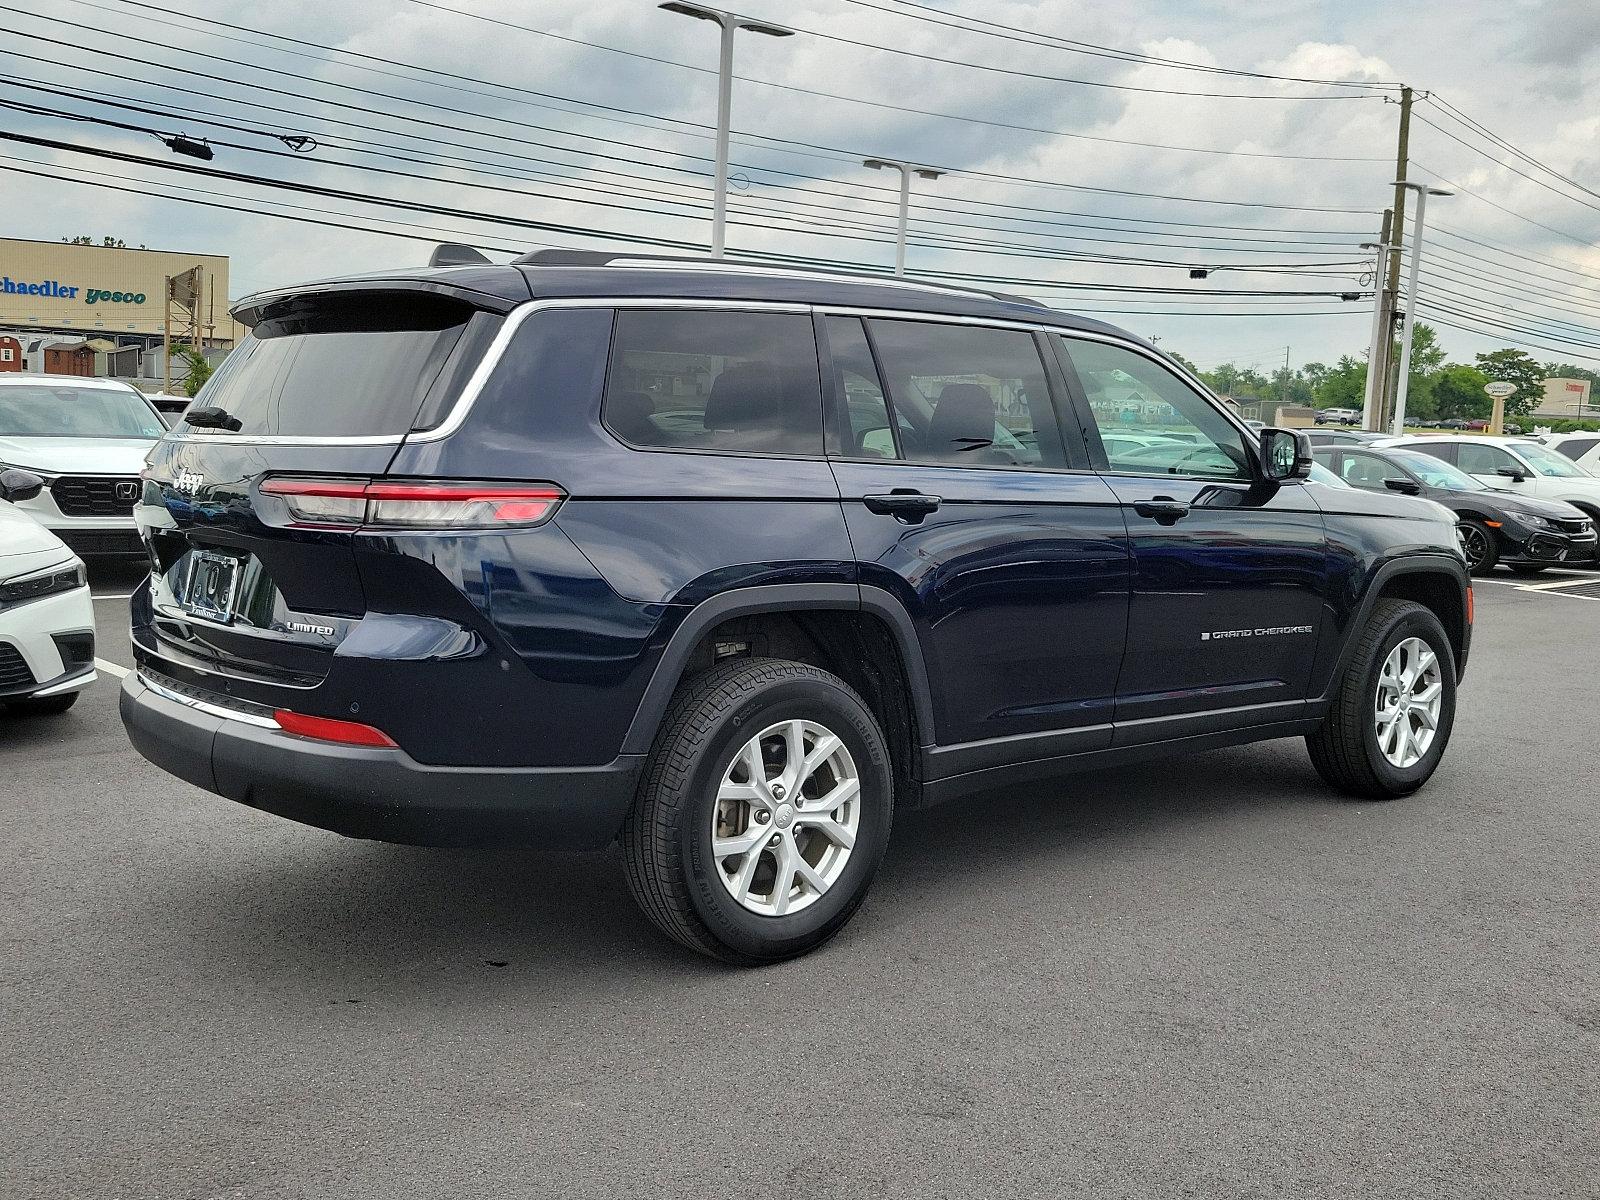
column 42, row 706
column 672, row 872
column 1478, row 541
column 1345, row 750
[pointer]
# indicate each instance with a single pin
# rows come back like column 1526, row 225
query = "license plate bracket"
column 211, row 587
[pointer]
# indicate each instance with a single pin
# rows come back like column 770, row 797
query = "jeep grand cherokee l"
column 734, row 563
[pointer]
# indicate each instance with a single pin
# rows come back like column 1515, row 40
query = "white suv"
column 1518, row 465
column 86, row 438
column 1581, row 448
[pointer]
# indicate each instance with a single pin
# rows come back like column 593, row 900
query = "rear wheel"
column 1477, row 542
column 42, row 706
column 1394, row 709
column 763, row 814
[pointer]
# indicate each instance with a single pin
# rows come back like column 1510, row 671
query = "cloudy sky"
column 517, row 118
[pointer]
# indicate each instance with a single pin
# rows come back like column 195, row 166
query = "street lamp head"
column 877, row 164
column 701, row 12
column 928, row 173
column 1422, row 187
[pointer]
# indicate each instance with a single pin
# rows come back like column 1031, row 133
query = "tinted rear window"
column 338, row 366
column 707, row 379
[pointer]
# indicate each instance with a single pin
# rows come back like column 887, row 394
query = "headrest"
column 963, row 420
column 629, row 414
column 747, row 396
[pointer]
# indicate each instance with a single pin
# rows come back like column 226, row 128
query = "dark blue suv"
column 732, row 562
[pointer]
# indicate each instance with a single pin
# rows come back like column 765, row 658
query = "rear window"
column 338, row 366
column 706, row 379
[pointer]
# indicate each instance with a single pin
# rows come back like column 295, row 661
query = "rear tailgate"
column 244, row 598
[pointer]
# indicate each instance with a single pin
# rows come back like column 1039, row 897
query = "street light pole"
column 906, row 170
column 730, row 23
column 1423, row 192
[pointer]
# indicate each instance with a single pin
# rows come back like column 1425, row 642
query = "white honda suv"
column 1519, row 465
column 86, row 438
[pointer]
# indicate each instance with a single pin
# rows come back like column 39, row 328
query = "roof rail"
column 607, row 258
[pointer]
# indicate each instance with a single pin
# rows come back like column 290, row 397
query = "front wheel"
column 1477, row 542
column 1394, row 709
column 763, row 814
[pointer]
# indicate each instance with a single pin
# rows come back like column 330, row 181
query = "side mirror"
column 17, row 486
column 1285, row 454
column 1409, row 487
column 1512, row 474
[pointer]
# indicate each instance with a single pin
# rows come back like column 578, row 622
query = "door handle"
column 903, row 504
column 1163, row 509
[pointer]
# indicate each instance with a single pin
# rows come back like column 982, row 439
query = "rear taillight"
column 329, row 729
column 348, row 503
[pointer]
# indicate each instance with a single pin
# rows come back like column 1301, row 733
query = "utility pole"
column 1286, row 377
column 1397, row 238
column 1382, row 322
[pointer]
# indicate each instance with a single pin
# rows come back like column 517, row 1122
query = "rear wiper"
column 213, row 418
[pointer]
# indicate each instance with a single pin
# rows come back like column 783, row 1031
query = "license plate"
column 212, row 586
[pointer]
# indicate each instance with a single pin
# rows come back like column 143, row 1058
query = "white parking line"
column 1555, row 584
column 112, row 668
column 111, row 595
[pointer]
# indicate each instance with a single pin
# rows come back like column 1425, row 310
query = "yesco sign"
column 51, row 289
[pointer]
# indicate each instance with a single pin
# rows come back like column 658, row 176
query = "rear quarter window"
column 699, row 379
column 340, row 366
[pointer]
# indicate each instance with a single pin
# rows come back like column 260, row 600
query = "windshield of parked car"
column 1435, row 472
column 61, row 410
column 1321, row 474
column 1547, row 461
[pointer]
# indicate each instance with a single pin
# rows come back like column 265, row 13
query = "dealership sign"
column 52, row 289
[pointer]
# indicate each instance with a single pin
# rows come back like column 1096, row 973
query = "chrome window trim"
column 514, row 320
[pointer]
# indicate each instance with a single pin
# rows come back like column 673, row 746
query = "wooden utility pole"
column 1385, row 406
column 1382, row 328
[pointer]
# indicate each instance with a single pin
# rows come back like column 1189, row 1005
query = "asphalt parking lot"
column 1200, row 978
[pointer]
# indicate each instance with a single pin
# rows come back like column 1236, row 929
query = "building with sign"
column 78, row 309
column 1567, row 399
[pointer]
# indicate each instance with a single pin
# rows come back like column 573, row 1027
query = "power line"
column 1121, row 87
column 1505, row 165
column 529, row 125
column 1460, row 187
column 1495, row 139
column 831, row 152
column 1012, row 33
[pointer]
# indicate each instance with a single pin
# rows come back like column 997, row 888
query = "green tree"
column 1184, row 362
column 84, row 239
column 199, row 368
column 1458, row 389
column 1515, row 367
column 1343, row 385
column 1427, row 356
column 1554, row 370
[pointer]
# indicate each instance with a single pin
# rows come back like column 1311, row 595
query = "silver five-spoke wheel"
column 786, row 818
column 1406, row 710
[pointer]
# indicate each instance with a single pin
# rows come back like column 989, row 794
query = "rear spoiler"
column 496, row 289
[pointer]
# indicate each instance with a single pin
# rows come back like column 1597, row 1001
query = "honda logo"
column 127, row 490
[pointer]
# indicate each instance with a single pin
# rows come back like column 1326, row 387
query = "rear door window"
column 967, row 395
column 340, row 365
column 711, row 379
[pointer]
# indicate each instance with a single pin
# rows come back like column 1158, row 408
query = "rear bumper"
column 381, row 794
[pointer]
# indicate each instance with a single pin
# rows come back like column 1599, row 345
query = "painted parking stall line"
column 111, row 668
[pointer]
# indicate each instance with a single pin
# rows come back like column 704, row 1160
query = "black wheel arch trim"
column 1417, row 564
column 770, row 598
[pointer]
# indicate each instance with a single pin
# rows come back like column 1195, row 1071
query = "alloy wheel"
column 1409, row 696
column 1475, row 544
column 787, row 814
